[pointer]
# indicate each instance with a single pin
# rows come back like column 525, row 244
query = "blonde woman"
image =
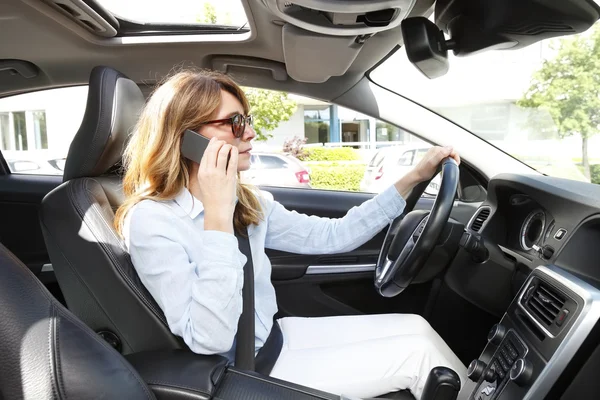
column 178, row 222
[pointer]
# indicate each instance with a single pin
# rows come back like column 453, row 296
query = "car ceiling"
column 65, row 52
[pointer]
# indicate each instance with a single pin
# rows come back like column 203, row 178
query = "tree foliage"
column 269, row 108
column 568, row 88
column 209, row 16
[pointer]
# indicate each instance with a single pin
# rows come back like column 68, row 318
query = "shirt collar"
column 191, row 205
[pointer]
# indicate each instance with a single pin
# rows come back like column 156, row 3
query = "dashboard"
column 537, row 220
column 541, row 277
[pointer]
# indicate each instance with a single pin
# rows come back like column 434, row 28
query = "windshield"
column 540, row 104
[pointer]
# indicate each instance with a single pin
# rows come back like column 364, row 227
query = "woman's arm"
column 202, row 302
column 303, row 234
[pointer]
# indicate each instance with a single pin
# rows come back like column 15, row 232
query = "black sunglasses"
column 238, row 123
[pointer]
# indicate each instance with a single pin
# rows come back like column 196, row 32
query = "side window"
column 36, row 129
column 327, row 146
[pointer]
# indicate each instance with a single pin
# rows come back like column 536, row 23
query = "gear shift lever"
column 442, row 384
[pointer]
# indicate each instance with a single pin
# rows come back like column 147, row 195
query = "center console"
column 543, row 329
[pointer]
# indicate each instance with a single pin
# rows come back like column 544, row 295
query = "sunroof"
column 179, row 12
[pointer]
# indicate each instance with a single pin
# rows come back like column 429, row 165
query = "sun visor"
column 314, row 58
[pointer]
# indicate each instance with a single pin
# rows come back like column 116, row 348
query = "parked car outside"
column 277, row 169
column 391, row 163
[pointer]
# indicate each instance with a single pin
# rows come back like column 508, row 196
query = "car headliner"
column 65, row 52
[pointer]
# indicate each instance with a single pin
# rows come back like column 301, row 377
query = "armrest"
column 179, row 374
column 239, row 384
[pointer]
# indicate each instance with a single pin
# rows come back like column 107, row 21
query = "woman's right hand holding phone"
column 217, row 179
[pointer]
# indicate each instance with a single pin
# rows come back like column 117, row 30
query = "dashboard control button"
column 490, row 375
column 499, row 370
column 513, row 353
column 560, row 234
column 503, row 363
column 496, row 334
column 507, row 355
column 521, row 372
column 547, row 252
column 475, row 370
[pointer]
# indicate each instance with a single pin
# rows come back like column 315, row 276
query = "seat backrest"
column 92, row 266
column 47, row 353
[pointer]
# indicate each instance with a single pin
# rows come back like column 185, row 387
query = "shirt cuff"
column 223, row 248
column 391, row 202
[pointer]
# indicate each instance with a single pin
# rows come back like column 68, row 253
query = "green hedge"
column 337, row 177
column 595, row 173
column 330, row 154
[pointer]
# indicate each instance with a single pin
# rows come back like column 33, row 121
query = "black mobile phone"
column 193, row 145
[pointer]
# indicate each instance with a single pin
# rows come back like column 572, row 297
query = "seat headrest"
column 113, row 106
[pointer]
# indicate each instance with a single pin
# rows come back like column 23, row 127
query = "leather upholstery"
column 179, row 374
column 113, row 106
column 92, row 267
column 47, row 353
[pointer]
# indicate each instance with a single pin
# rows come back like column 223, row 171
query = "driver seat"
column 92, row 266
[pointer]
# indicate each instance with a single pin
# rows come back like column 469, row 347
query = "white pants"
column 364, row 355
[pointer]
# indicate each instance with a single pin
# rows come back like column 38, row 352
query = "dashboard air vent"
column 543, row 302
column 482, row 216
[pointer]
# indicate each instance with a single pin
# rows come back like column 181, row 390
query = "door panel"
column 303, row 290
column 20, row 231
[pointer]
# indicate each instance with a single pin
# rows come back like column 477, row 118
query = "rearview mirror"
column 425, row 46
column 480, row 25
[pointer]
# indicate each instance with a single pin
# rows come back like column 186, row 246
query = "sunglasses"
column 238, row 123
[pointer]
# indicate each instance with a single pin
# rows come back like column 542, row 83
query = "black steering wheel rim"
column 412, row 236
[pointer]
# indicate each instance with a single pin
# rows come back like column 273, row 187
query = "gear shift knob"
column 442, row 384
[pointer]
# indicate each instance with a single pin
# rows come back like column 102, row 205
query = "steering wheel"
column 412, row 236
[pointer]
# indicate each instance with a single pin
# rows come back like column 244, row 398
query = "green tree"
column 209, row 16
column 269, row 109
column 568, row 87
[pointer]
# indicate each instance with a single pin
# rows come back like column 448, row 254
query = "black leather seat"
column 92, row 267
column 47, row 353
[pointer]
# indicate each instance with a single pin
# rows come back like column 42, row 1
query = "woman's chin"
column 243, row 165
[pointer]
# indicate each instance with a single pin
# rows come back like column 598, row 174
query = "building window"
column 4, row 132
column 23, row 130
column 388, row 132
column 316, row 124
column 20, row 130
column 39, row 129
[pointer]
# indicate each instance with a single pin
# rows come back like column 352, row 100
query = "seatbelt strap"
column 245, row 347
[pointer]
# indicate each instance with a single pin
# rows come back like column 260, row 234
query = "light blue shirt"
column 196, row 276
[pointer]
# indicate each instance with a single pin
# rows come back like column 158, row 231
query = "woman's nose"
column 249, row 133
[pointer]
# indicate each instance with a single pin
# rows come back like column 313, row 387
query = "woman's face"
column 229, row 107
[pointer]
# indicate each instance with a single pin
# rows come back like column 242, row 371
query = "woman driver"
column 178, row 222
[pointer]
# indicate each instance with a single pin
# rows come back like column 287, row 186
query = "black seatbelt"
column 245, row 348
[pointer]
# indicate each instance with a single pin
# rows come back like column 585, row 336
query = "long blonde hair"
column 155, row 168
